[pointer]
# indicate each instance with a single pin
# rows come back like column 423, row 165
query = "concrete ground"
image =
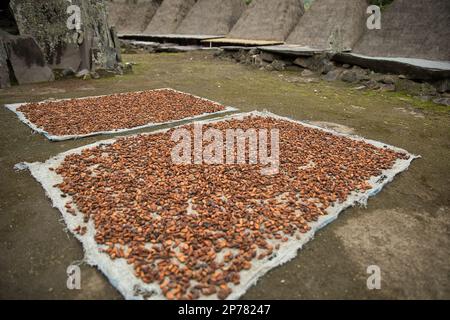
column 405, row 230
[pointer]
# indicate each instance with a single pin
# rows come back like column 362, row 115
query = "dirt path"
column 404, row 229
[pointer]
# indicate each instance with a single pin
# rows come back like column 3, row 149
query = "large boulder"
column 89, row 45
column 25, row 58
column 4, row 70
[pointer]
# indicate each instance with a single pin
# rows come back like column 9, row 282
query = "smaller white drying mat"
column 14, row 106
column 121, row 275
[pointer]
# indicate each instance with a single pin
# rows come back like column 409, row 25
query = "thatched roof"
column 268, row 20
column 411, row 29
column 131, row 16
column 331, row 24
column 169, row 16
column 212, row 17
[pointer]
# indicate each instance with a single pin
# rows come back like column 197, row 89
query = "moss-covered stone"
column 90, row 47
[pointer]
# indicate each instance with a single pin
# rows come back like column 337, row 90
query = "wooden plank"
column 242, row 42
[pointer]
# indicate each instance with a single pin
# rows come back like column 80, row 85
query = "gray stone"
column 388, row 79
column 85, row 55
column 318, row 63
column 116, row 43
column 64, row 73
column 26, row 59
column 130, row 46
column 442, row 101
column 355, row 74
column 58, row 43
column 93, row 46
column 268, row 57
column 387, row 87
column 67, row 72
column 127, row 68
column 269, row 67
column 325, row 66
column 307, row 73
column 70, row 59
column 94, row 75
column 294, row 68
column 111, row 58
column 373, row 84
column 304, row 62
column 349, row 76
column 333, row 75
column 419, row 70
column 82, row 73
column 240, row 55
column 279, row 65
column 4, row 70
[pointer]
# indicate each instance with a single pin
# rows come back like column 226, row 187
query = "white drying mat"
column 15, row 106
column 121, row 275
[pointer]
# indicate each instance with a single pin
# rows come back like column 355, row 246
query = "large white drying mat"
column 121, row 275
column 15, row 106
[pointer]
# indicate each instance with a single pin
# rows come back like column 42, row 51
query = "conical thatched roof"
column 212, row 17
column 331, row 24
column 169, row 16
column 410, row 29
column 131, row 16
column 268, row 20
